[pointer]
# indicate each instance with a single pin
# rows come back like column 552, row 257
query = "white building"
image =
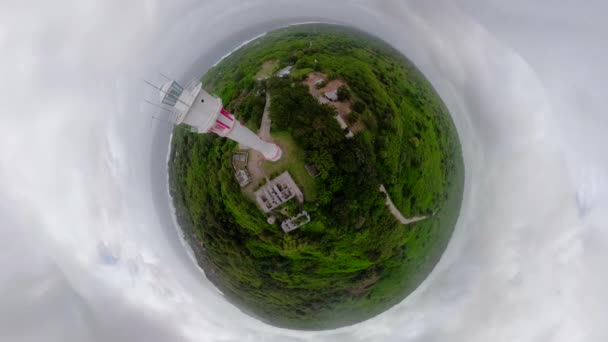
column 277, row 191
column 295, row 222
column 332, row 95
column 286, row 71
column 242, row 176
column 203, row 112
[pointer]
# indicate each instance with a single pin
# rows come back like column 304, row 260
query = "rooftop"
column 202, row 110
column 285, row 71
column 332, row 95
column 295, row 222
column 242, row 176
column 239, row 160
column 277, row 191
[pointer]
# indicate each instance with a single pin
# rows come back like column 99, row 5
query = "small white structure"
column 331, row 95
column 203, row 112
column 240, row 157
column 285, row 71
column 242, row 176
column 271, row 220
column 349, row 134
column 276, row 192
column 295, row 222
column 239, row 160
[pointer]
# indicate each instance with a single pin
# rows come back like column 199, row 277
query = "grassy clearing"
column 292, row 161
column 268, row 69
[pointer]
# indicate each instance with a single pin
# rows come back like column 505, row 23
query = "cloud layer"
column 89, row 250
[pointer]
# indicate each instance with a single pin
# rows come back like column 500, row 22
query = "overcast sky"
column 88, row 246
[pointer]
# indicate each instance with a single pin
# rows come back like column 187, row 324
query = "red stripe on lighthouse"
column 226, row 114
column 222, row 124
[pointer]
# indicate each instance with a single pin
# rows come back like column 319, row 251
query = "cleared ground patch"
column 343, row 108
column 267, row 70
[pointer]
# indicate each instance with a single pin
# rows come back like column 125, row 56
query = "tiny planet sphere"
column 319, row 178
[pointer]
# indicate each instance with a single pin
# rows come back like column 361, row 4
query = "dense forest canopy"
column 354, row 259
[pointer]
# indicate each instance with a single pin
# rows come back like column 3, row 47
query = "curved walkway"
column 396, row 213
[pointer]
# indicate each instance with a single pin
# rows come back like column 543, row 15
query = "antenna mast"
column 164, row 92
column 167, row 77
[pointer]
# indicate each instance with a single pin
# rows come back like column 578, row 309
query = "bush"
column 343, row 93
column 301, row 74
column 353, row 117
column 359, row 106
column 415, row 141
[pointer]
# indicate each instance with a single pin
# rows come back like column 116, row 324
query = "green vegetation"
column 354, row 260
column 343, row 93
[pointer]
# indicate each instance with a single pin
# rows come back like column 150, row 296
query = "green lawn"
column 292, row 161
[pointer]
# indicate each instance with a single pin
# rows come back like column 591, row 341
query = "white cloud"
column 88, row 251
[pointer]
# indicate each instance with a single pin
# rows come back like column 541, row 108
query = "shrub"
column 359, row 106
column 343, row 93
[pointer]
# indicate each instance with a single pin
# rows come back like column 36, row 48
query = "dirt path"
column 396, row 213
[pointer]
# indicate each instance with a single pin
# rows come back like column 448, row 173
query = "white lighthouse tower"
column 203, row 112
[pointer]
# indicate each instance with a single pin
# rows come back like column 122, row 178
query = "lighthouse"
column 204, row 113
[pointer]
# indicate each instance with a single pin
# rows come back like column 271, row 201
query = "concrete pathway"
column 264, row 131
column 396, row 213
column 256, row 159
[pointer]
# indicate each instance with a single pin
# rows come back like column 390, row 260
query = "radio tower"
column 204, row 113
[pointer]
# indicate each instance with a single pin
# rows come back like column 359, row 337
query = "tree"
column 343, row 93
column 359, row 106
column 323, row 161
